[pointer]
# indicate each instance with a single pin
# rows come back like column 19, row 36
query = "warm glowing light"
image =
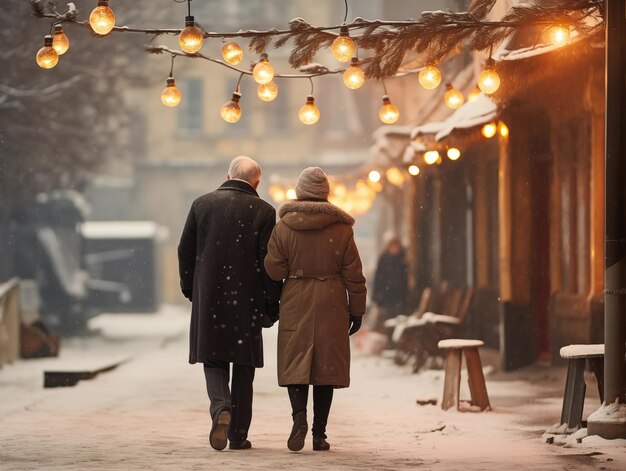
column 488, row 79
column 431, row 157
column 170, row 96
column 267, row 91
column 263, row 71
column 429, row 77
column 395, row 176
column 60, row 41
column 354, row 77
column 309, row 113
column 340, row 190
column 47, row 57
column 191, row 38
column 504, row 130
column 489, row 130
column 453, row 98
column 559, row 35
column 277, row 193
column 374, row 176
column 414, row 170
column 343, row 47
column 453, row 153
column 232, row 53
column 102, row 18
column 291, row 193
column 231, row 111
column 473, row 94
column 388, row 112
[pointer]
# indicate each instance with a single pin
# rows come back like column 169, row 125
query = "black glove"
column 188, row 294
column 354, row 324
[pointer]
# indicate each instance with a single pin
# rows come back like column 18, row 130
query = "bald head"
column 246, row 169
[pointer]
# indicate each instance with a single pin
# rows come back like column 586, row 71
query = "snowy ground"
column 151, row 413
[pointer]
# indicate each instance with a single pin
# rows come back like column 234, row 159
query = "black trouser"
column 322, row 400
column 239, row 401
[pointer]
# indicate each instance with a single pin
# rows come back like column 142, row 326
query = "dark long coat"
column 220, row 255
column 390, row 283
column 313, row 248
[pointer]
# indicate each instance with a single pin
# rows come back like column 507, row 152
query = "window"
column 190, row 114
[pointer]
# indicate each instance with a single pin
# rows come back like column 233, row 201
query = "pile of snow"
column 610, row 413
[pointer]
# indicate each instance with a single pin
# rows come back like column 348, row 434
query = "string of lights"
column 435, row 35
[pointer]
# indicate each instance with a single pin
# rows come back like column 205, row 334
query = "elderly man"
column 220, row 255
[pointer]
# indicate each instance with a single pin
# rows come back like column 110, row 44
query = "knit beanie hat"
column 312, row 184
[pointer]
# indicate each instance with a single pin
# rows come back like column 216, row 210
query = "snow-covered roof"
column 473, row 113
column 122, row 230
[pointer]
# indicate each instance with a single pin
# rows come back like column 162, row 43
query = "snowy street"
column 152, row 413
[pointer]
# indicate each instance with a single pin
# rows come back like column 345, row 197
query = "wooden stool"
column 452, row 381
column 575, row 387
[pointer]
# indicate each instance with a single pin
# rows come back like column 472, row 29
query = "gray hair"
column 244, row 168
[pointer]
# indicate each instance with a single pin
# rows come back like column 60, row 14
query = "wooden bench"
column 452, row 381
column 575, row 387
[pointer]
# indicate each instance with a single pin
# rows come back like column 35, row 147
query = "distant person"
column 220, row 255
column 390, row 280
column 312, row 248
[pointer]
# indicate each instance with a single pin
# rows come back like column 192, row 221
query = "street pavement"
column 151, row 413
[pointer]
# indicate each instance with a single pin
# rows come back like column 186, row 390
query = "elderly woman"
column 312, row 248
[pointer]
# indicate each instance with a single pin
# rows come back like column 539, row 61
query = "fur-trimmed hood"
column 308, row 215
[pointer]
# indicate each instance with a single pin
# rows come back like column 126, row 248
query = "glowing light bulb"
column 429, row 77
column 231, row 111
column 488, row 79
column 60, row 41
column 102, row 18
column 504, row 129
column 374, row 176
column 232, row 53
column 559, row 35
column 354, row 77
column 473, row 94
column 489, row 130
column 277, row 193
column 291, row 193
column 388, row 112
column 47, row 57
column 414, row 170
column 343, row 47
column 394, row 176
column 190, row 38
column 268, row 91
column 453, row 153
column 170, row 96
column 431, row 157
column 263, row 71
column 453, row 98
column 309, row 113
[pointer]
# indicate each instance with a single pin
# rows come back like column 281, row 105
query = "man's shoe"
column 218, row 438
column 298, row 432
column 243, row 445
column 320, row 444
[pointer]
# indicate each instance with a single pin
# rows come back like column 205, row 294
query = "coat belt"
column 297, row 276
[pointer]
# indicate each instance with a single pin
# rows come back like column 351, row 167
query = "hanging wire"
column 172, row 66
column 188, row 5
column 345, row 17
column 311, row 80
column 385, row 87
column 237, row 89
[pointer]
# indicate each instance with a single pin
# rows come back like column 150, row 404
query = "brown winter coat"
column 312, row 247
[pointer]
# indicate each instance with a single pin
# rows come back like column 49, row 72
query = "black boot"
column 298, row 432
column 242, row 445
column 320, row 444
